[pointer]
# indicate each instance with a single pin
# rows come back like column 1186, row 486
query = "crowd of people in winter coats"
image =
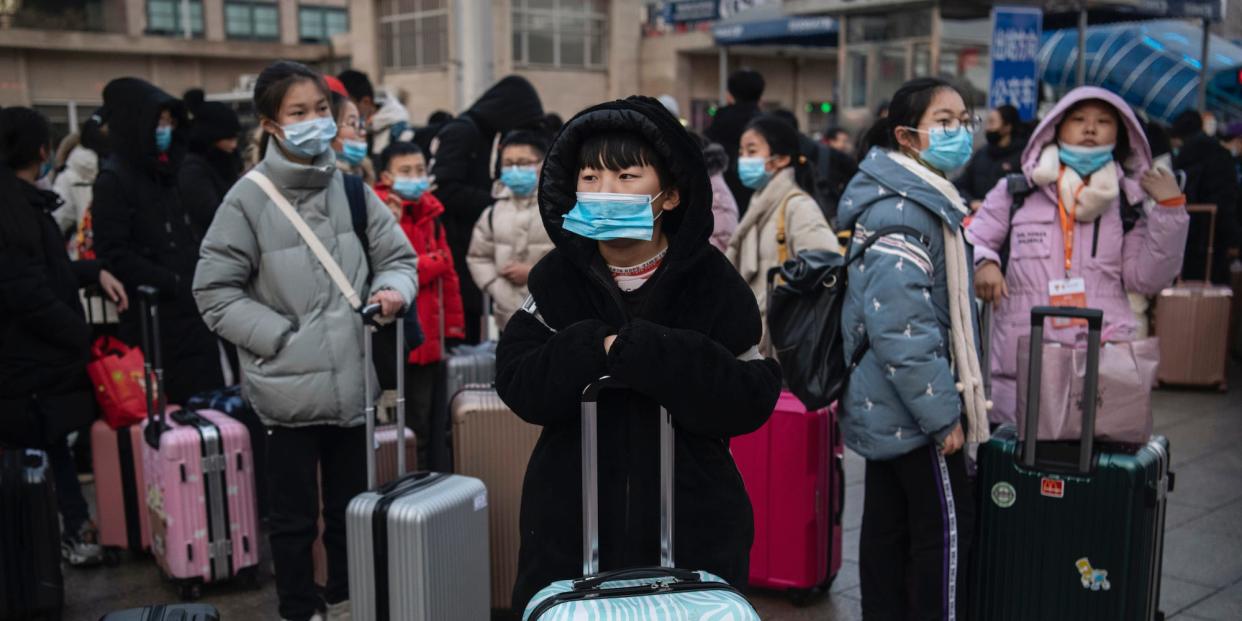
column 617, row 244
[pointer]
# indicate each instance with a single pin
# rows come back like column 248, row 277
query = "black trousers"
column 420, row 382
column 914, row 551
column 295, row 455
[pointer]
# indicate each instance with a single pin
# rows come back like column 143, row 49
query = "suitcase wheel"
column 190, row 590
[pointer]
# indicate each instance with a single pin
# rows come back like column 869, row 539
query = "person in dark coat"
column 144, row 232
column 461, row 156
column 425, row 134
column 44, row 337
column 1002, row 155
column 213, row 163
column 1210, row 179
column 745, row 88
column 661, row 312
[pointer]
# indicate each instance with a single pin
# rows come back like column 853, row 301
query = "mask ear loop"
column 652, row 201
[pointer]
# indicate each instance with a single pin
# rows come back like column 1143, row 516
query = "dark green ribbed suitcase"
column 1069, row 530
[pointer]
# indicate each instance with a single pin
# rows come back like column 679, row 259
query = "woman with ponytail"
column 916, row 396
column 782, row 219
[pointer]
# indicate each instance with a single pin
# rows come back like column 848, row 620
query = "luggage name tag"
column 1067, row 292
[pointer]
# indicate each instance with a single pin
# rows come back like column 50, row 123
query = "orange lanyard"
column 1068, row 220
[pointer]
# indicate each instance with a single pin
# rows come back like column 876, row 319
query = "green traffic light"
column 825, row 107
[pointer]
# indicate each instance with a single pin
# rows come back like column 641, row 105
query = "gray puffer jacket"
column 903, row 394
column 259, row 286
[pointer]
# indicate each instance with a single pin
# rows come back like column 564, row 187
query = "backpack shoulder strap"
column 355, row 194
column 782, row 240
column 886, row 231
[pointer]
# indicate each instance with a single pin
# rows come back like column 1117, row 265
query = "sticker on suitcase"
column 1052, row 488
column 1092, row 578
column 1004, row 495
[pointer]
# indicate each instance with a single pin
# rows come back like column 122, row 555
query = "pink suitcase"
column 198, row 471
column 793, row 471
column 120, row 501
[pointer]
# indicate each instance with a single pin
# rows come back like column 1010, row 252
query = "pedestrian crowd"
column 616, row 244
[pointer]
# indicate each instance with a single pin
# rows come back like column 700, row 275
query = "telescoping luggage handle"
column 590, row 478
column 1090, row 387
column 370, row 320
column 152, row 363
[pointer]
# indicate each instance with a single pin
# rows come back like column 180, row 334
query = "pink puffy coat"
column 1144, row 260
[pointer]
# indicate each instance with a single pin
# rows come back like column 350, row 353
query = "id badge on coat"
column 1067, row 292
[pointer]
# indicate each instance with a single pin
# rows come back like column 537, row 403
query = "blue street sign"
column 1015, row 48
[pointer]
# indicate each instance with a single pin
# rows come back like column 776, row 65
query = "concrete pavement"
column 1203, row 545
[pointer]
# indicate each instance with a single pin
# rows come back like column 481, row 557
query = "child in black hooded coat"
column 686, row 338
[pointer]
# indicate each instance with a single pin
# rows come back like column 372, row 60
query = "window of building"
column 317, row 24
column 413, row 33
column 560, row 33
column 858, row 79
column 251, row 20
column 164, row 17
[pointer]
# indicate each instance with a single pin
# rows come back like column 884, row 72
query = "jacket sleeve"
column 989, row 228
column 540, row 374
column 113, row 224
column 392, row 256
column 904, row 331
column 708, row 390
column 724, row 214
column 451, row 167
column 1154, row 250
column 228, row 257
column 86, row 271
column 807, row 228
column 481, row 258
column 454, row 314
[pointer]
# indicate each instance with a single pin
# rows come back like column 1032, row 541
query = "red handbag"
column 116, row 371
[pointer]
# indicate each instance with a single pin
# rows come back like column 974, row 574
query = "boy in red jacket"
column 403, row 185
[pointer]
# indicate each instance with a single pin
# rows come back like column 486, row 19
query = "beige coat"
column 509, row 230
column 754, row 247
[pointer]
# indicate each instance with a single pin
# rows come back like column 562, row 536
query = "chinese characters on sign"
column 1015, row 50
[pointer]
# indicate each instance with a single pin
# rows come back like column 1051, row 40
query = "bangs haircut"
column 617, row 151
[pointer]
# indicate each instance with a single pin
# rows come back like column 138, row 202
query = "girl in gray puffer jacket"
column 259, row 285
column 915, row 397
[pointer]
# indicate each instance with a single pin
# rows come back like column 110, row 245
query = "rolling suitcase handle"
column 1095, row 321
column 590, row 479
column 370, row 320
column 153, row 364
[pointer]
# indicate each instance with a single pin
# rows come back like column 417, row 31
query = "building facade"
column 57, row 56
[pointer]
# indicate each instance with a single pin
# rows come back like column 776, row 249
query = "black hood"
column 134, row 107
column 688, row 227
column 509, row 104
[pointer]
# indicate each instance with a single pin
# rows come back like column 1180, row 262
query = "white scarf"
column 961, row 303
column 1101, row 192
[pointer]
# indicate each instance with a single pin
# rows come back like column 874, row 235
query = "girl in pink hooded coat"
column 1082, row 238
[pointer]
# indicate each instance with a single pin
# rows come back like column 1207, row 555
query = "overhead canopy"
column 1154, row 65
column 768, row 24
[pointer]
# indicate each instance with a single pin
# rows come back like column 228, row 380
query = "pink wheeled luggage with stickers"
column 198, row 470
column 793, row 470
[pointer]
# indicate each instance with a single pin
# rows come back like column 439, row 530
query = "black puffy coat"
column 1210, row 179
column 460, row 163
column 726, row 129
column 203, row 180
column 144, row 232
column 682, row 345
column 44, row 338
column 988, row 167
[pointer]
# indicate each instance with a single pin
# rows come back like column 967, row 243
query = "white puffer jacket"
column 511, row 230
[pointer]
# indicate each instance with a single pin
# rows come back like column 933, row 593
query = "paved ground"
column 1203, row 548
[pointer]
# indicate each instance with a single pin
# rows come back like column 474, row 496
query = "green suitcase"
column 1069, row 530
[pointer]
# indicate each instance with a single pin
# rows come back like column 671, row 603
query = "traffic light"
column 824, row 107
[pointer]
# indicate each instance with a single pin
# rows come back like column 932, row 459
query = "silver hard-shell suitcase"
column 418, row 546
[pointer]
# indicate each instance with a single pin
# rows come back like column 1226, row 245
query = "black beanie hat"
column 211, row 120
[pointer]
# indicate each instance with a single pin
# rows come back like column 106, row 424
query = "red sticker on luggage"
column 1052, row 488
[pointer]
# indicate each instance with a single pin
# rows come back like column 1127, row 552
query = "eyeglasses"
column 951, row 126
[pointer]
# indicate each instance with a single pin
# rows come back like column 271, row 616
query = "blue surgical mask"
column 753, row 172
column 353, row 152
column 948, row 149
column 520, row 179
column 163, row 138
column 309, row 138
column 45, row 169
column 1085, row 160
column 603, row 216
column 410, row 188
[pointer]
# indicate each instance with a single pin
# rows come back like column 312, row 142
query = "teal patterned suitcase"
column 1069, row 530
column 652, row 593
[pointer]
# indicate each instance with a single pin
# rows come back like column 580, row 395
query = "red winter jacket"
column 421, row 223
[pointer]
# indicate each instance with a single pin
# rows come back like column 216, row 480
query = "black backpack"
column 804, row 320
